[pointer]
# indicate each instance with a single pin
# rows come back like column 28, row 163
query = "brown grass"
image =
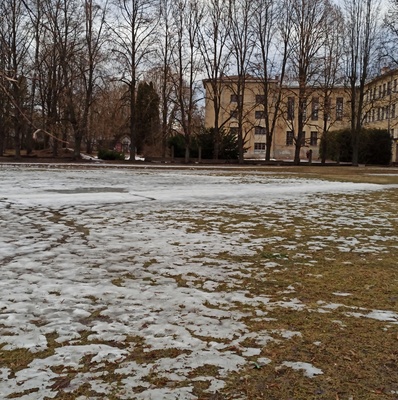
column 358, row 355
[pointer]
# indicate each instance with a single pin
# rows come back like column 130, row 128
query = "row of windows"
column 380, row 113
column 381, row 91
column 260, row 98
column 260, row 146
column 257, row 114
column 312, row 142
column 259, row 130
column 327, row 108
column 260, row 114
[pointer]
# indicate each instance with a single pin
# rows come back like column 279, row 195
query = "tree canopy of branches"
column 60, row 59
column 361, row 32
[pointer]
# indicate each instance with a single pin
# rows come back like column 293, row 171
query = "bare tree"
column 331, row 74
column 307, row 38
column 134, row 28
column 241, row 43
column 14, row 45
column 272, row 24
column 214, row 34
column 94, row 41
column 162, row 74
column 361, row 39
column 187, row 17
column 390, row 33
column 34, row 11
column 60, row 51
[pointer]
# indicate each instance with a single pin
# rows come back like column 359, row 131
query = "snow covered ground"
column 108, row 264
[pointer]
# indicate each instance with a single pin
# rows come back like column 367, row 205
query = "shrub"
column 228, row 147
column 106, row 154
column 178, row 142
column 374, row 146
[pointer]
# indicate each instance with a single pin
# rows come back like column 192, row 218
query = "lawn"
column 198, row 283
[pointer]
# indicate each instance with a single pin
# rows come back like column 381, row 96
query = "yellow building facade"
column 381, row 106
column 323, row 111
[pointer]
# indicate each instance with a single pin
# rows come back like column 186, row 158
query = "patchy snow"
column 379, row 315
column 342, row 294
column 309, row 370
column 108, row 265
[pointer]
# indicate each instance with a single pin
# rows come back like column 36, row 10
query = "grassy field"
column 335, row 270
column 314, row 282
column 332, row 281
column 357, row 355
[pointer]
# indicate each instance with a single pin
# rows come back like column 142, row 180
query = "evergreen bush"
column 106, row 154
column 228, row 146
column 374, row 146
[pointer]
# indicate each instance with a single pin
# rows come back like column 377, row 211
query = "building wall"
column 381, row 106
column 381, row 111
column 253, row 123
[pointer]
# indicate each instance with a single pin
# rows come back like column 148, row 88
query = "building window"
column 289, row 138
column 314, row 138
column 379, row 91
column 393, row 110
column 384, row 89
column 303, row 110
column 259, row 114
column 382, row 113
column 389, row 87
column 374, row 92
column 373, row 115
column 259, row 146
column 378, row 113
column 235, row 98
column 387, row 112
column 233, row 130
column 290, row 108
column 260, row 98
column 315, row 108
column 339, row 109
column 234, row 114
column 259, row 130
column 395, row 85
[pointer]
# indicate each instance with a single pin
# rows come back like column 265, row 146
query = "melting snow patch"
column 309, row 370
column 330, row 306
column 342, row 294
column 287, row 334
column 379, row 315
column 336, row 321
column 251, row 352
column 263, row 361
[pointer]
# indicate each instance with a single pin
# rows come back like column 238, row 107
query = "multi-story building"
column 324, row 110
column 381, row 105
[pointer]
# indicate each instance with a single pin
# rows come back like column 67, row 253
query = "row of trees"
column 72, row 68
